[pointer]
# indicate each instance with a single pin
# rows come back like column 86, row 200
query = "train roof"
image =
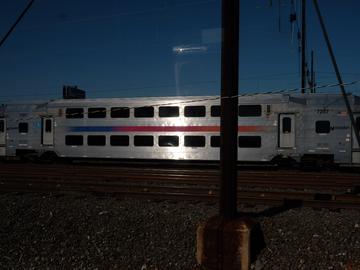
column 298, row 98
column 304, row 99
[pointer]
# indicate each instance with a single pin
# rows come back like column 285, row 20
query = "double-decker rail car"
column 270, row 127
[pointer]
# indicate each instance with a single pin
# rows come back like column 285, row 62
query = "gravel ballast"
column 97, row 232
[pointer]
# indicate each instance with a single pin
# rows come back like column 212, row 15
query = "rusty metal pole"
column 337, row 71
column 229, row 107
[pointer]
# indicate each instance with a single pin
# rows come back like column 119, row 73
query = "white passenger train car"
column 270, row 127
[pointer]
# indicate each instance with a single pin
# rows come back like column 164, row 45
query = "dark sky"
column 128, row 48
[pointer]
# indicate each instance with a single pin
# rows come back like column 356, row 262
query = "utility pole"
column 229, row 110
column 303, row 46
column 337, row 71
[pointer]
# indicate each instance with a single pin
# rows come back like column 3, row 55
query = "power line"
column 16, row 22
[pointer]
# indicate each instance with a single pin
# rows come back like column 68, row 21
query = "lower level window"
column 215, row 141
column 74, row 140
column 119, row 140
column 143, row 140
column 195, row 141
column 169, row 141
column 96, row 140
column 249, row 141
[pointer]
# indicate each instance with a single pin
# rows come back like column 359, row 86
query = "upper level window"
column 2, row 126
column 96, row 112
column 249, row 141
column 145, row 112
column 215, row 111
column 74, row 113
column 195, row 141
column 358, row 123
column 249, row 110
column 195, row 111
column 23, row 127
column 120, row 112
column 286, row 125
column 169, row 111
column 322, row 126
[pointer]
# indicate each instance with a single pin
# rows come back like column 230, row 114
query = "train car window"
column 2, row 126
column 143, row 140
column 96, row 140
column 73, row 140
column 96, row 112
column 195, row 111
column 144, row 112
column 249, row 141
column 215, row 141
column 286, row 125
column 119, row 140
column 215, row 111
column 169, row 111
column 358, row 123
column 48, row 125
column 168, row 141
column 249, row 110
column 23, row 127
column 74, row 113
column 195, row 141
column 120, row 112
column 322, row 126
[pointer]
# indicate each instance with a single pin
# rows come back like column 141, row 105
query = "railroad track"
column 266, row 187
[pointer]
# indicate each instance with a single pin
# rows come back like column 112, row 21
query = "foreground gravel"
column 92, row 232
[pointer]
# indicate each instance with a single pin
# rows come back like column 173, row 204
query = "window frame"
column 90, row 137
column 188, row 138
column 253, row 141
column 215, row 141
column 96, row 112
column 255, row 110
column 321, row 129
column 137, row 137
column 215, row 111
column 74, row 136
column 286, row 129
column 161, row 137
column 138, row 113
column 2, row 125
column 162, row 108
column 125, row 115
column 23, row 127
column 112, row 137
column 74, row 115
column 194, row 114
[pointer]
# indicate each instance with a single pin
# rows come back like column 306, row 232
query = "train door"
column 2, row 137
column 287, row 130
column 355, row 144
column 47, row 131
